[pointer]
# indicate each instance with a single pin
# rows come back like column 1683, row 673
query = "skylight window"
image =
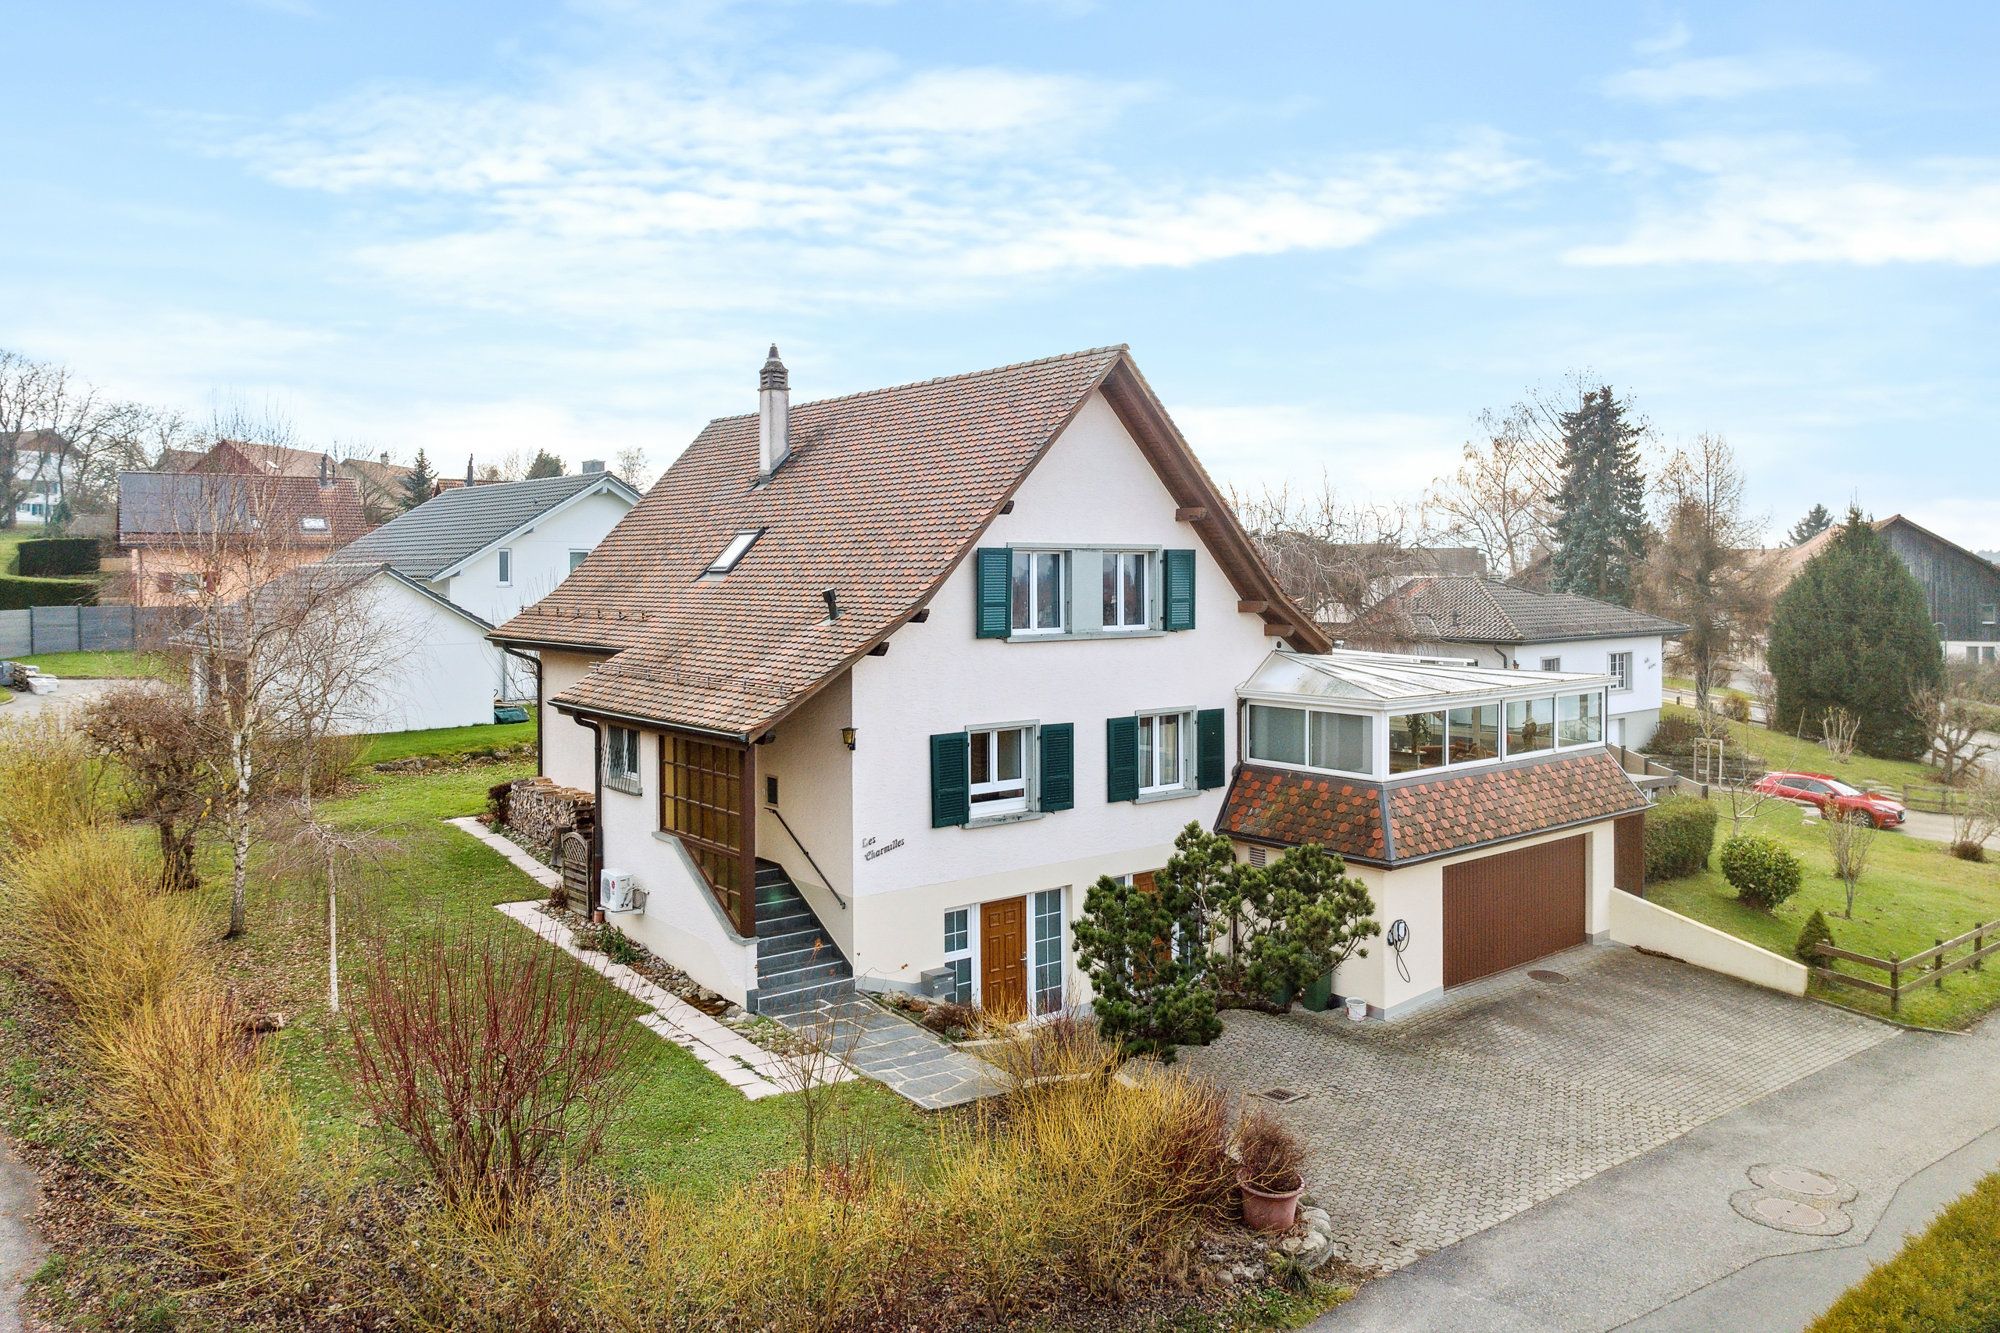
column 738, row 546
column 313, row 524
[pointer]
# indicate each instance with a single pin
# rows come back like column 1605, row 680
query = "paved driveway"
column 1428, row 1129
column 70, row 694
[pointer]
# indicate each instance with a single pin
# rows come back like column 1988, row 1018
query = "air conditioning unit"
column 619, row 892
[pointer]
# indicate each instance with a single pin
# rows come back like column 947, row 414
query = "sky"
column 1331, row 232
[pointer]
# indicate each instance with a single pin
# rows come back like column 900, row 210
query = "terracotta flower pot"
column 1265, row 1211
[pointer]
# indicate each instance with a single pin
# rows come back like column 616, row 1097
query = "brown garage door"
column 1505, row 910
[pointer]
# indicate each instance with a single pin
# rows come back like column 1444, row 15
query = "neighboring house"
column 1961, row 587
column 1479, row 805
column 1492, row 623
column 492, row 549
column 38, row 469
column 379, row 481
column 888, row 681
column 172, row 525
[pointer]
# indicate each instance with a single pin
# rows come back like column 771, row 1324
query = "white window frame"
column 505, row 558
column 618, row 741
column 1061, row 962
column 1150, row 755
column 1621, row 676
column 1114, row 569
column 1552, row 664
column 967, row 953
column 1006, row 807
column 1063, row 575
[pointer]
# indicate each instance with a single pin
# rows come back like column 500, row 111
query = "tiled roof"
column 169, row 508
column 1401, row 822
column 273, row 460
column 883, row 494
column 461, row 522
column 1457, row 608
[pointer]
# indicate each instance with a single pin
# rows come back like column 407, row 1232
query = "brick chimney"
column 774, row 405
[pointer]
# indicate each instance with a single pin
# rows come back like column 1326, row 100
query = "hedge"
column 1680, row 831
column 1763, row 872
column 18, row 593
column 55, row 557
column 1946, row 1278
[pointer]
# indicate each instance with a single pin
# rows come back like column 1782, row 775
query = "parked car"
column 1832, row 795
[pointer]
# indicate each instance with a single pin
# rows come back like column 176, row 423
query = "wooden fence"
column 1928, row 968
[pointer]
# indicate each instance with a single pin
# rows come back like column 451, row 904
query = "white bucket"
column 1357, row 1008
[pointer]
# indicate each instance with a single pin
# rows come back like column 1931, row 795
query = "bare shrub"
column 1849, row 839
column 1975, row 816
column 494, row 1056
column 49, row 781
column 1268, row 1153
column 1838, row 729
column 170, row 769
column 813, row 1068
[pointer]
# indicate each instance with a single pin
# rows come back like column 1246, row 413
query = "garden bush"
column 1946, row 1278
column 1736, row 707
column 49, row 782
column 1676, row 734
column 1814, row 933
column 55, row 557
column 18, row 594
column 1680, row 831
column 1763, row 872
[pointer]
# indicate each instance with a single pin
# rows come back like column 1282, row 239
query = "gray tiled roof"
column 1463, row 609
column 457, row 523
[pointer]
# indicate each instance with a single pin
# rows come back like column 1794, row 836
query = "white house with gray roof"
column 1491, row 623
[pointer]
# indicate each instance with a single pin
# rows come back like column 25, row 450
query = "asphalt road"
column 21, row 1246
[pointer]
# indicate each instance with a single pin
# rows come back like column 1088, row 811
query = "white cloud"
column 1721, row 78
column 1666, row 41
column 1771, row 202
column 1369, row 456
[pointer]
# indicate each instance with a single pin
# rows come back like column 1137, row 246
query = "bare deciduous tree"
column 1849, row 838
column 1975, row 818
column 1336, row 560
column 1953, row 720
column 1838, row 729
column 60, row 435
column 633, row 467
column 170, row 769
column 1498, row 500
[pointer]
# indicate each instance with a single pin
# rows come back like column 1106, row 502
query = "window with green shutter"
column 951, row 783
column 1177, row 584
column 1058, row 771
column 991, row 613
column 1121, row 759
column 1211, row 764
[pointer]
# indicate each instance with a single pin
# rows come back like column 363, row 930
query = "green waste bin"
column 1319, row 995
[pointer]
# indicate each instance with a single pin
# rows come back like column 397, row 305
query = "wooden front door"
column 1003, row 956
column 1505, row 910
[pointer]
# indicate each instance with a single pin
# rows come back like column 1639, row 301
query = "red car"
column 1830, row 794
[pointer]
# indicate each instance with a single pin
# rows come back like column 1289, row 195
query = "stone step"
column 772, row 965
column 805, row 974
column 804, row 998
column 786, row 923
column 791, row 941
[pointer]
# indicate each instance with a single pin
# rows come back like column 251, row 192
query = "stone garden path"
column 908, row 1059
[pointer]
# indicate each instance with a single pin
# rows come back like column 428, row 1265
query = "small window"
column 506, row 566
column 1989, row 614
column 1579, row 719
column 1162, row 751
column 312, row 523
column 1343, row 741
column 1552, row 664
column 999, row 770
column 1621, row 671
column 958, row 953
column 732, row 553
column 1531, row 725
column 576, row 558
column 1127, row 590
column 1278, row 734
column 1416, row 741
column 1475, row 733
column 1039, row 592
column 621, row 758
column 1047, row 983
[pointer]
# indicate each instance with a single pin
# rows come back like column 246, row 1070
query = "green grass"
column 1781, row 750
column 1946, row 1278
column 1913, row 894
column 10, row 544
column 1687, row 683
column 449, row 741
column 681, row 1124
column 107, row 665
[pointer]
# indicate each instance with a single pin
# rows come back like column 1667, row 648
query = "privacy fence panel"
column 69, row 629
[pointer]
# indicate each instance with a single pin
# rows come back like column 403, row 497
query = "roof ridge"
column 945, row 379
column 1486, row 590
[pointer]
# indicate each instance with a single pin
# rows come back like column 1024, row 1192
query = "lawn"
column 445, row 741
column 1781, row 750
column 1913, row 894
column 107, row 665
column 10, row 544
column 681, row 1125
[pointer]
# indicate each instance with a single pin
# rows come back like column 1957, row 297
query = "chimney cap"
column 593, row 465
column 773, row 375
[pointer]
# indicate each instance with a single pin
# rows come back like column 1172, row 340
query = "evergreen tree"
column 1816, row 521
column 1853, row 631
column 1314, row 916
column 418, row 482
column 1143, row 950
column 1600, row 527
column 546, row 464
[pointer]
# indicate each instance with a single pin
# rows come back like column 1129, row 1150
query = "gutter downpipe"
column 540, row 706
column 596, row 806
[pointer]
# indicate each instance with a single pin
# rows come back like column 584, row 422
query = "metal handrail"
column 808, row 855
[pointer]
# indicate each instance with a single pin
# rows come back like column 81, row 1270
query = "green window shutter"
column 1178, row 582
column 1058, row 745
column 951, row 780
column 993, row 616
column 1210, row 764
column 1121, row 759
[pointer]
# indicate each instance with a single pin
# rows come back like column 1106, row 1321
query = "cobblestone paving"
column 1427, row 1129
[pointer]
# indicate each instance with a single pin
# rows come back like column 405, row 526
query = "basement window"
column 738, row 546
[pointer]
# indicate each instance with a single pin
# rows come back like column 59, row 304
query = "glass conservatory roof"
column 1387, row 679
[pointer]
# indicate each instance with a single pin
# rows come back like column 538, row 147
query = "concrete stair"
column 798, row 964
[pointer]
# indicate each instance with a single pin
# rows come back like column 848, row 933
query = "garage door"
column 1505, row 910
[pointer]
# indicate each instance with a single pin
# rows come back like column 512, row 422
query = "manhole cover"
column 1544, row 974
column 1788, row 1213
column 1282, row 1096
column 1798, row 1180
column 1795, row 1199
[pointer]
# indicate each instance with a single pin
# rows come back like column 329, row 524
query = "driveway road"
column 21, row 1246
column 1655, row 1244
column 70, row 694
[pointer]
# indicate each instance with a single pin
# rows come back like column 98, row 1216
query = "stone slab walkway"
column 908, row 1059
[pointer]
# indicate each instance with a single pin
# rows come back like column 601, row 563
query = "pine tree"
column 1600, row 527
column 418, row 482
column 1144, row 951
column 1314, row 916
column 1853, row 631
column 1816, row 521
column 546, row 464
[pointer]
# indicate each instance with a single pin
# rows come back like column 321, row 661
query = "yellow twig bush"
column 51, row 780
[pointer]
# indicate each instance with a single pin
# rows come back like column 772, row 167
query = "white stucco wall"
column 1093, row 487
column 1650, row 926
column 540, row 559
column 815, row 776
column 567, row 754
column 444, row 673
column 1638, row 708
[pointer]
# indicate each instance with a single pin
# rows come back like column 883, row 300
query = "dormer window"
column 312, row 523
column 739, row 545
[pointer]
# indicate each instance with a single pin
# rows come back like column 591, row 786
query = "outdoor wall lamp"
column 847, row 737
